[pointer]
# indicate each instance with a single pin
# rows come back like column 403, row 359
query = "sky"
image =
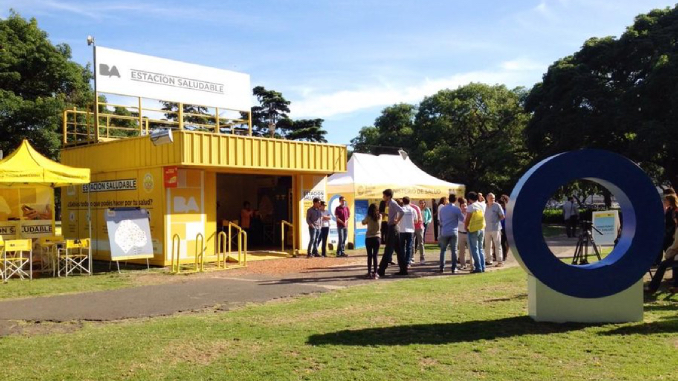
column 343, row 61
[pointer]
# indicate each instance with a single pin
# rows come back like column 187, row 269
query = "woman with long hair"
column 372, row 239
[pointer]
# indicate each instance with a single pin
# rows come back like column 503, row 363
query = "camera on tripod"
column 581, row 252
column 587, row 226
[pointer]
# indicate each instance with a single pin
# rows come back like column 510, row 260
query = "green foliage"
column 271, row 118
column 471, row 135
column 553, row 216
column 304, row 129
column 272, row 108
column 617, row 94
column 38, row 81
column 193, row 119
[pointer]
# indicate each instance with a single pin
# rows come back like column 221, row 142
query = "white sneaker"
column 422, row 262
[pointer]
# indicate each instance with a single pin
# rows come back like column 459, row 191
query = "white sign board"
column 125, row 73
column 608, row 224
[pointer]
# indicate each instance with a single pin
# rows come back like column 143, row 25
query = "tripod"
column 581, row 252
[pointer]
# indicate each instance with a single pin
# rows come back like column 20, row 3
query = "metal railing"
column 284, row 223
column 199, row 253
column 198, row 261
column 118, row 121
column 242, row 242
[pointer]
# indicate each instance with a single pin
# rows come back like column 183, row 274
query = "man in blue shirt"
column 450, row 217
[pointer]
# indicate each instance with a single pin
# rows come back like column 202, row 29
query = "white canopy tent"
column 366, row 178
column 368, row 175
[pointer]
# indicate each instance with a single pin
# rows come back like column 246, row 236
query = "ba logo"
column 112, row 71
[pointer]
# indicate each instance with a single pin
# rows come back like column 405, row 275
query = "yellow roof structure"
column 28, row 166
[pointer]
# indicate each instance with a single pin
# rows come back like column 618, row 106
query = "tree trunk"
column 608, row 198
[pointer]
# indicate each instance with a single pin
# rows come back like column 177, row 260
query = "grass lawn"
column 436, row 328
column 16, row 288
column 552, row 230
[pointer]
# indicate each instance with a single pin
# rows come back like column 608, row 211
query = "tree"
column 392, row 130
column 38, row 81
column 270, row 118
column 473, row 135
column 272, row 108
column 619, row 94
column 193, row 119
column 304, row 129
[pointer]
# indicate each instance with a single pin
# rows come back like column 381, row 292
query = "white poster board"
column 129, row 234
column 126, row 73
column 608, row 224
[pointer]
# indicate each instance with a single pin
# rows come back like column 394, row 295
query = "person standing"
column 474, row 224
column 450, row 217
column 418, row 235
column 383, row 210
column 372, row 239
column 395, row 214
column 314, row 221
column 463, row 236
column 670, row 256
column 427, row 215
column 570, row 215
column 342, row 214
column 441, row 204
column 325, row 228
column 494, row 214
column 435, row 207
column 407, row 228
column 503, row 202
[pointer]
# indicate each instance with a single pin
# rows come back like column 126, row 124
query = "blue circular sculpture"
column 642, row 231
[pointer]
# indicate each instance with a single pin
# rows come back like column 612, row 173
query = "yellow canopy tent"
column 27, row 180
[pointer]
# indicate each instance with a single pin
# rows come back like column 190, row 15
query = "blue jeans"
column 342, row 232
column 448, row 240
column 406, row 240
column 475, row 244
column 313, row 242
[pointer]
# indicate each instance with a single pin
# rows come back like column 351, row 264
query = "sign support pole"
column 96, row 93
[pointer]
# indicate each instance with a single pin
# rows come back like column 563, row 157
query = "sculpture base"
column 547, row 305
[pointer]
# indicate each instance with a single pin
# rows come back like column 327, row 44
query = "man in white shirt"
column 407, row 228
column 324, row 228
column 494, row 214
column 571, row 217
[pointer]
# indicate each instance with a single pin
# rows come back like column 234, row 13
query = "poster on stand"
column 607, row 223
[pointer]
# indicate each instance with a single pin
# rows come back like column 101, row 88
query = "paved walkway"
column 194, row 294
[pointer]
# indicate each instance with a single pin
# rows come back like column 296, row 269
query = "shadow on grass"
column 443, row 333
column 667, row 325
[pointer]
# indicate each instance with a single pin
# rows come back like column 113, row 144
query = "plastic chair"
column 15, row 260
column 73, row 255
column 48, row 253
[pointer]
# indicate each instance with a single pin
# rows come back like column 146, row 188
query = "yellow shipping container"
column 193, row 185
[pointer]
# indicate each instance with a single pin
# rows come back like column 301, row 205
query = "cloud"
column 519, row 72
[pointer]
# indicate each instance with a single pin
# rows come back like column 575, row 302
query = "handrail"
column 200, row 255
column 221, row 248
column 242, row 258
column 85, row 126
column 178, row 240
column 284, row 223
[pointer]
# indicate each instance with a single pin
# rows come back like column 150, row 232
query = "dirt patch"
column 23, row 328
column 197, row 352
column 280, row 266
column 427, row 362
